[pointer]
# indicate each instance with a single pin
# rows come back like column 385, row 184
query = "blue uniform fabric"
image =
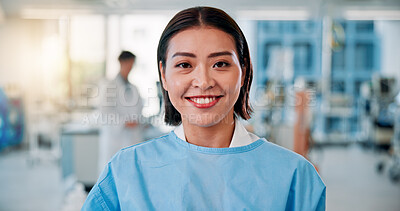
column 168, row 173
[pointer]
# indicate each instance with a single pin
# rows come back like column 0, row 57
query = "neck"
column 123, row 77
column 215, row 136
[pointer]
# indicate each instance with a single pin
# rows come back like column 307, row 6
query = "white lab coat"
column 120, row 103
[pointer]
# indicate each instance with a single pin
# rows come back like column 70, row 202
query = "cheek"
column 176, row 87
column 231, row 84
column 234, row 82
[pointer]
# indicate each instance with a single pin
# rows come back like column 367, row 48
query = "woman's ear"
column 162, row 72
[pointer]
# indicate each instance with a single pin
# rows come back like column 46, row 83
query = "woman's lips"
column 203, row 101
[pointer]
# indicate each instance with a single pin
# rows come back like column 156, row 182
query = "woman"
column 210, row 162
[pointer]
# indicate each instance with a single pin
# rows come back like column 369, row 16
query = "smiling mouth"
column 203, row 101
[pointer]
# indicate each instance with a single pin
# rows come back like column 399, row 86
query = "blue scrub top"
column 168, row 173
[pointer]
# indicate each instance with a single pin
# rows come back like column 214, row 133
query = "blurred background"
column 326, row 85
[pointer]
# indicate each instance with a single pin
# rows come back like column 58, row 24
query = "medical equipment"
column 386, row 110
column 16, row 121
column 11, row 121
column 3, row 119
column 383, row 95
column 394, row 169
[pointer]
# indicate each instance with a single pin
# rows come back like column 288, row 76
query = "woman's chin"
column 204, row 124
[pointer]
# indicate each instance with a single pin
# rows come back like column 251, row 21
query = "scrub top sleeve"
column 321, row 202
column 103, row 195
column 307, row 191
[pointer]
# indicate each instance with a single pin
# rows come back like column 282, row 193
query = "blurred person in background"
column 121, row 108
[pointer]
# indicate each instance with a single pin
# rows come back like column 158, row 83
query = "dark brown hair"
column 126, row 55
column 213, row 17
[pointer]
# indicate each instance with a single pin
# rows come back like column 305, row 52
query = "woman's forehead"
column 201, row 39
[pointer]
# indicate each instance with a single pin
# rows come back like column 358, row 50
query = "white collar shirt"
column 240, row 135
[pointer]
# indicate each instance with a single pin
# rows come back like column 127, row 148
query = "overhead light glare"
column 274, row 14
column 40, row 13
column 372, row 14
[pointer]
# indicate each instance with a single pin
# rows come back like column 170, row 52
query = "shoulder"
column 282, row 154
column 303, row 172
column 149, row 144
column 285, row 159
column 148, row 150
column 106, row 83
column 133, row 87
column 307, row 190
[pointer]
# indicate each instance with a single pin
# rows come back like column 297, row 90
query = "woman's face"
column 203, row 75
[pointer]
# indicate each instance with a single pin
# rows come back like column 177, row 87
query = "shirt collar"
column 123, row 80
column 240, row 135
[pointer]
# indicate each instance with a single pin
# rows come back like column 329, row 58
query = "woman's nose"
column 203, row 78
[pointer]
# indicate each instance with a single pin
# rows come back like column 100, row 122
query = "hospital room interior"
column 339, row 58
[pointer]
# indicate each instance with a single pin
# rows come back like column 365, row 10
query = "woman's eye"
column 221, row 64
column 183, row 65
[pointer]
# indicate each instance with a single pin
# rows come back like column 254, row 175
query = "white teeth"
column 203, row 100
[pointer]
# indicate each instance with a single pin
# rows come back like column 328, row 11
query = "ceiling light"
column 277, row 14
column 372, row 14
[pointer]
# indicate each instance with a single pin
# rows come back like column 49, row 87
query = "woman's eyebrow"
column 222, row 53
column 216, row 54
column 184, row 54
